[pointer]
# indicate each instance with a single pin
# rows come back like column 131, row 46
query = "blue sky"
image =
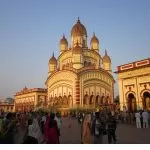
column 30, row 31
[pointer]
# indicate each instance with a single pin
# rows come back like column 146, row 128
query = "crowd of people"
column 43, row 127
column 142, row 119
column 38, row 127
column 96, row 125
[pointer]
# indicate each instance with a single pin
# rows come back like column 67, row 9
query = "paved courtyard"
column 126, row 134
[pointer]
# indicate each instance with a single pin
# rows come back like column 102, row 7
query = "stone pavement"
column 70, row 131
column 129, row 134
column 126, row 134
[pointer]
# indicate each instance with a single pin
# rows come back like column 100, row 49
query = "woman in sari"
column 46, row 128
column 86, row 136
column 34, row 130
column 53, row 136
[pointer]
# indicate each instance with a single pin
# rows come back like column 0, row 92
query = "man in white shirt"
column 138, row 121
column 145, row 119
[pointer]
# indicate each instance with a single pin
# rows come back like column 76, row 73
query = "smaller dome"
column 64, row 40
column 77, row 49
column 106, row 58
column 94, row 39
column 53, row 60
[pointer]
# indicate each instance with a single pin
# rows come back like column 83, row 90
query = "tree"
column 9, row 100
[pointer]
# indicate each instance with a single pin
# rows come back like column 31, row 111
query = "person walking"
column 59, row 121
column 53, row 135
column 145, row 119
column 111, row 128
column 86, row 136
column 8, row 129
column 97, row 129
column 34, row 130
column 46, row 128
column 138, row 119
column 32, row 133
column 43, row 121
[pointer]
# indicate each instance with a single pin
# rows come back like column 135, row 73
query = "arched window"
column 85, row 100
column 146, row 100
column 70, row 101
column 91, row 100
column 97, row 99
column 102, row 100
column 85, row 63
column 89, row 63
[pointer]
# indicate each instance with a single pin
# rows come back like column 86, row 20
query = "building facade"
column 30, row 99
column 134, row 85
column 6, row 107
column 80, row 76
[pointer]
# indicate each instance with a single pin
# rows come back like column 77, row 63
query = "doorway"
column 132, row 103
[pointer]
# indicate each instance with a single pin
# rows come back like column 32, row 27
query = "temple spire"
column 78, row 21
column 105, row 52
column 93, row 34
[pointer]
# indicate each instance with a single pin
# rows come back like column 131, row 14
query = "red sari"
column 53, row 137
column 46, row 129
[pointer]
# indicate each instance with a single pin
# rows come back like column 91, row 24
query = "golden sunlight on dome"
column 106, row 58
column 53, row 60
column 78, row 29
column 94, row 39
column 64, row 40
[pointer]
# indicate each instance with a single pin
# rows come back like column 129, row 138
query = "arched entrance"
column 70, row 101
column 65, row 100
column 85, row 100
column 60, row 100
column 146, row 100
column 97, row 100
column 106, row 101
column 131, row 103
column 102, row 100
column 91, row 100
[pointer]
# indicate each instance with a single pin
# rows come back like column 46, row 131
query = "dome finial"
column 63, row 35
column 53, row 54
column 78, row 21
column 105, row 52
column 93, row 33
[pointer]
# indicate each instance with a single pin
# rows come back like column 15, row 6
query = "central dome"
column 78, row 29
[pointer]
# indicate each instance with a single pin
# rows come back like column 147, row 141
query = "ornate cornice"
column 133, row 66
column 28, row 91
